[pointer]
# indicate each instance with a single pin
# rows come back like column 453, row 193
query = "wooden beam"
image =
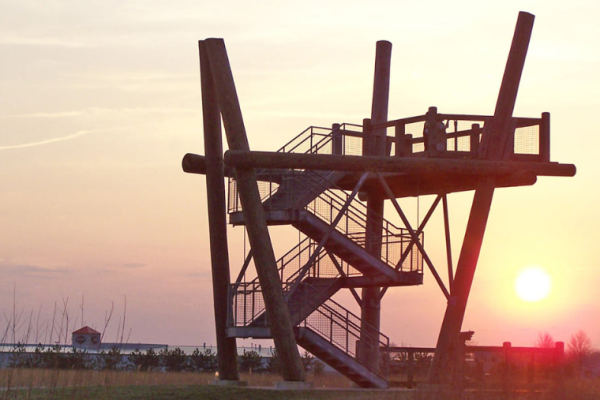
column 497, row 132
column 266, row 267
column 196, row 164
column 217, row 220
column 408, row 165
column 449, row 350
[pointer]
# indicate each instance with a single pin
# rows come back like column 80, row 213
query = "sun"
column 533, row 284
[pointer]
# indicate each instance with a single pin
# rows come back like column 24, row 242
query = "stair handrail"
column 364, row 331
column 319, row 144
column 357, row 214
column 338, row 316
column 306, row 244
column 314, row 148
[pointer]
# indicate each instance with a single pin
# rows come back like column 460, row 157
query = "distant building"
column 90, row 340
column 86, row 337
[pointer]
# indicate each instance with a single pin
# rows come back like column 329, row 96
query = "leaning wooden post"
column 217, row 219
column 258, row 233
column 371, row 302
column 494, row 141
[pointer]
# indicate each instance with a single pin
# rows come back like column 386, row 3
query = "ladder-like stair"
column 308, row 296
column 338, row 359
column 310, row 201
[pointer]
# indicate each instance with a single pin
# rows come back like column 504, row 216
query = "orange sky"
column 99, row 101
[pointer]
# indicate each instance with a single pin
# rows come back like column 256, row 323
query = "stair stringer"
column 305, row 300
column 297, row 190
column 343, row 247
column 338, row 359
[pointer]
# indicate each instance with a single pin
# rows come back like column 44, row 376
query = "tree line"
column 171, row 360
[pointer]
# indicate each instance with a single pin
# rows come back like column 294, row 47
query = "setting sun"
column 533, row 284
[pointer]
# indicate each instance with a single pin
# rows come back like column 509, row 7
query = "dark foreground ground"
column 208, row 392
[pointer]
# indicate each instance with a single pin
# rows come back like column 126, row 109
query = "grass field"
column 96, row 385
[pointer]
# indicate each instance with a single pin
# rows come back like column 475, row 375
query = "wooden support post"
column 217, row 219
column 544, row 141
column 496, row 133
column 445, row 361
column 403, row 141
column 381, row 94
column 435, row 133
column 371, row 301
column 368, row 140
column 410, row 374
column 474, row 144
column 337, row 140
column 448, row 346
column 448, row 243
column 258, row 233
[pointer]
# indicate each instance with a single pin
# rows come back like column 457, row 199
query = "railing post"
column 331, row 329
column 434, row 133
column 367, row 137
column 348, row 341
column 544, row 140
column 245, row 304
column 254, row 300
column 230, row 321
column 455, row 136
column 403, row 141
column 410, row 373
column 474, row 144
column 337, row 140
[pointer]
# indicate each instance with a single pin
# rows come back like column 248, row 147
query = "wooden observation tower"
column 331, row 184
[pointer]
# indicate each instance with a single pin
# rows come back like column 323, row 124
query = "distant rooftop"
column 86, row 330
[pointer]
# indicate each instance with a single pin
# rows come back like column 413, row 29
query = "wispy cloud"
column 37, row 41
column 97, row 111
column 48, row 141
column 28, row 270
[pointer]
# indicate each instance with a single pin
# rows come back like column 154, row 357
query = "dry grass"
column 86, row 384
column 48, row 378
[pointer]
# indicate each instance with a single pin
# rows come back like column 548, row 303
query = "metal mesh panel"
column 246, row 303
column 330, row 320
column 343, row 329
column 415, row 129
column 527, row 140
column 352, row 146
column 463, row 143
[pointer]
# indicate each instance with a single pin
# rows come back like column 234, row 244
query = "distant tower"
column 86, row 337
column 318, row 183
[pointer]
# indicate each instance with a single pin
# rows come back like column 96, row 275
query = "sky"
column 100, row 100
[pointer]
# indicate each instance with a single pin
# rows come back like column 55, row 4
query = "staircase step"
column 337, row 359
column 342, row 246
column 308, row 296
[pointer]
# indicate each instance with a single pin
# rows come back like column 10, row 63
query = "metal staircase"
column 332, row 256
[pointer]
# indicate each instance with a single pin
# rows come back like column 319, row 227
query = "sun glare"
column 533, row 284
